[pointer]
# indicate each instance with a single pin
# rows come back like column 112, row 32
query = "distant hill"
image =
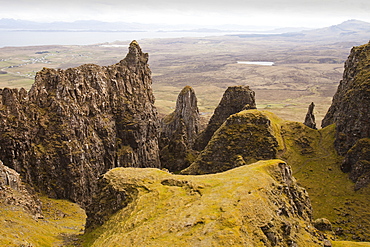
column 351, row 30
column 346, row 28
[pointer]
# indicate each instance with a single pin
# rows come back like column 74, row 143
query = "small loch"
column 263, row 63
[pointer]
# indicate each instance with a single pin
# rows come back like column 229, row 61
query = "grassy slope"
column 316, row 166
column 231, row 210
column 62, row 221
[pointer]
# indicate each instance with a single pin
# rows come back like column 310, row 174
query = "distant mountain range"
column 351, row 30
column 93, row 25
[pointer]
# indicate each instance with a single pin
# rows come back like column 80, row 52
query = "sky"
column 276, row 13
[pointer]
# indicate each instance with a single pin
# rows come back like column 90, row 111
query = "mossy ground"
column 224, row 209
column 316, row 166
column 62, row 222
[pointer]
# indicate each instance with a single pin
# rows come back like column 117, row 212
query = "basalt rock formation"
column 244, row 138
column 350, row 110
column 357, row 162
column 76, row 124
column 234, row 100
column 256, row 205
column 178, row 132
column 310, row 117
column 14, row 192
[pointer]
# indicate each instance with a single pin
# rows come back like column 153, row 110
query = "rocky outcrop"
column 256, row 205
column 350, row 109
column 234, row 100
column 244, row 138
column 309, row 121
column 14, row 192
column 357, row 163
column 76, row 124
column 178, row 132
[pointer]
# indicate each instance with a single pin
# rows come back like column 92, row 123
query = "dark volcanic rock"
column 310, row 117
column 179, row 130
column 14, row 192
column 350, row 112
column 234, row 100
column 350, row 109
column 76, row 124
column 357, row 163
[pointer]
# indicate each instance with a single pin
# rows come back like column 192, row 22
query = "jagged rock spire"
column 310, row 117
column 234, row 100
column 179, row 130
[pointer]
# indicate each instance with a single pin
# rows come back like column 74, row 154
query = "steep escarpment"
column 179, row 131
column 256, row 205
column 350, row 109
column 244, row 138
column 234, row 100
column 76, row 124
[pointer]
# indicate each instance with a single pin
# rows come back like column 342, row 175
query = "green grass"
column 224, row 209
column 317, row 168
column 62, row 220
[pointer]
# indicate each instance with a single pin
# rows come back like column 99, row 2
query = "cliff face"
column 350, row 109
column 76, row 124
column 178, row 132
column 256, row 205
column 234, row 100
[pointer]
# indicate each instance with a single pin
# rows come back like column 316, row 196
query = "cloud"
column 275, row 12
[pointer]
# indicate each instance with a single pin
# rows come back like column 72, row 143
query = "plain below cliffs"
column 76, row 124
column 350, row 112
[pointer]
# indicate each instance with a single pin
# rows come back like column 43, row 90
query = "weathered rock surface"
column 14, row 192
column 255, row 205
column 244, row 138
column 357, row 163
column 178, row 132
column 309, row 121
column 350, row 109
column 234, row 100
column 76, row 124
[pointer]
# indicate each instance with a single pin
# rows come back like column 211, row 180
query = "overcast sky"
column 292, row 13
